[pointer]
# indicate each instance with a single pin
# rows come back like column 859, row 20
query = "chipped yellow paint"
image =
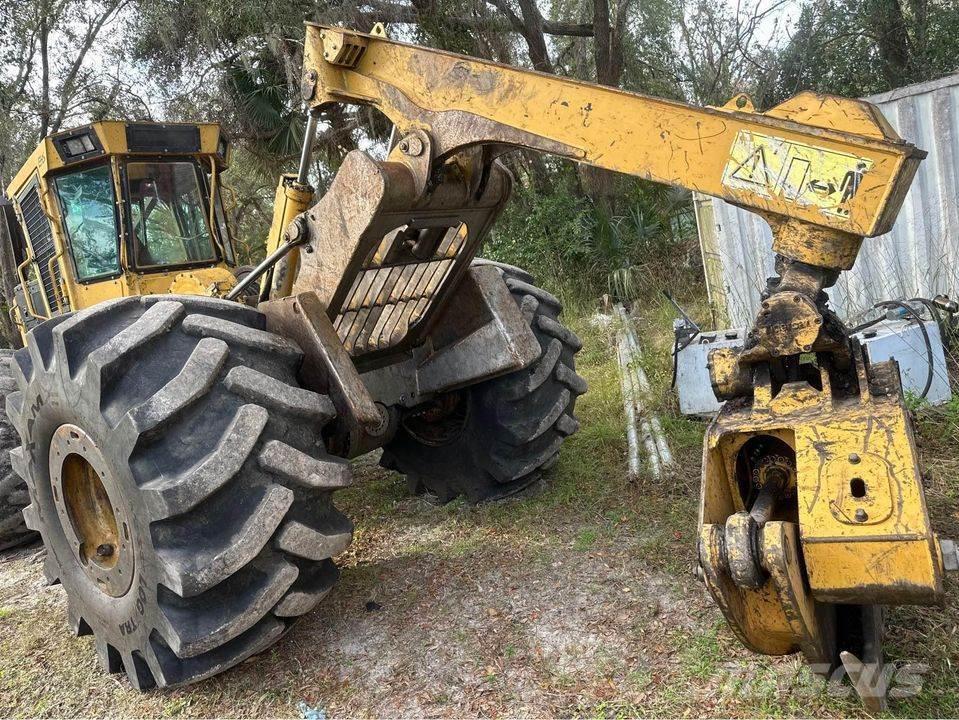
column 43, row 166
column 462, row 101
column 112, row 136
column 813, row 244
column 212, row 282
column 781, row 557
column 798, row 172
column 290, row 200
column 864, row 532
column 760, row 622
column 825, row 172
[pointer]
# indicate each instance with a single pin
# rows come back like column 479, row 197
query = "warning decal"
column 794, row 171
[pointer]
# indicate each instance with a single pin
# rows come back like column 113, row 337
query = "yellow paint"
column 290, row 200
column 43, row 166
column 781, row 558
column 661, row 140
column 757, row 616
column 888, row 555
column 212, row 281
column 824, row 171
column 851, row 572
column 813, row 244
column 798, row 172
column 862, row 459
column 112, row 136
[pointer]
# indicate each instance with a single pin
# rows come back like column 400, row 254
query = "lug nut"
column 411, row 146
column 861, row 515
column 854, row 458
column 105, row 550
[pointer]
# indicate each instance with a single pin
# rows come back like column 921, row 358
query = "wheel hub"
column 441, row 421
column 93, row 520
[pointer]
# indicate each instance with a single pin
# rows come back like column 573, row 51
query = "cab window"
column 89, row 218
column 168, row 215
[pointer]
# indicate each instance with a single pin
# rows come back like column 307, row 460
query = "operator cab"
column 114, row 209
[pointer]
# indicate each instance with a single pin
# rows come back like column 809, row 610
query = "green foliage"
column 249, row 201
column 567, row 241
column 267, row 109
column 861, row 47
column 543, row 233
column 239, row 64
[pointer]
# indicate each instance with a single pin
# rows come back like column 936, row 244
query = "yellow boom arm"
column 828, row 161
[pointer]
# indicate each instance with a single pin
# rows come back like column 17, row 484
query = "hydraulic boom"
column 812, row 514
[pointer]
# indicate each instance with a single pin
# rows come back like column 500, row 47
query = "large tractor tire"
column 497, row 437
column 13, row 491
column 177, row 476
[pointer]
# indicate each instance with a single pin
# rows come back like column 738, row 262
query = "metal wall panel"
column 919, row 257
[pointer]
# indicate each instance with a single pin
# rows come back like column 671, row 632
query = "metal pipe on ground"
column 629, row 407
column 665, row 455
column 636, row 385
column 637, row 426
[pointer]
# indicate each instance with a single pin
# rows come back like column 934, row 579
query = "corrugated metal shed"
column 919, row 257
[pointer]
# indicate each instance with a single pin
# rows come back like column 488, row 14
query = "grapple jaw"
column 812, row 504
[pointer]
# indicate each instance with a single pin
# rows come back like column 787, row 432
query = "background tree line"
column 65, row 62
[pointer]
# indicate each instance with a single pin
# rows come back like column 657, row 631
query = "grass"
column 576, row 599
column 701, row 654
column 585, row 540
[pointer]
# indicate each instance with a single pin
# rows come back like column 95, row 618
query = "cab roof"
column 89, row 143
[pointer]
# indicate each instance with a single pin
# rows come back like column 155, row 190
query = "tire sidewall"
column 50, row 403
column 463, row 465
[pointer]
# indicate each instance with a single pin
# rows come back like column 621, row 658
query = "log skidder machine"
column 181, row 447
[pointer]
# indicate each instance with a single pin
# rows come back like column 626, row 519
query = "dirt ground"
column 577, row 599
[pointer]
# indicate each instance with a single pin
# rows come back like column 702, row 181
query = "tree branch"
column 93, row 30
column 390, row 12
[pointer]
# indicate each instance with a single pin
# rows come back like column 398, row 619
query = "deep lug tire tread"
column 517, row 422
column 14, row 531
column 232, row 486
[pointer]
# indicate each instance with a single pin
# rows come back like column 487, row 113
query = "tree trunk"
column 535, row 37
column 44, row 72
column 919, row 9
column 600, row 184
column 892, row 39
